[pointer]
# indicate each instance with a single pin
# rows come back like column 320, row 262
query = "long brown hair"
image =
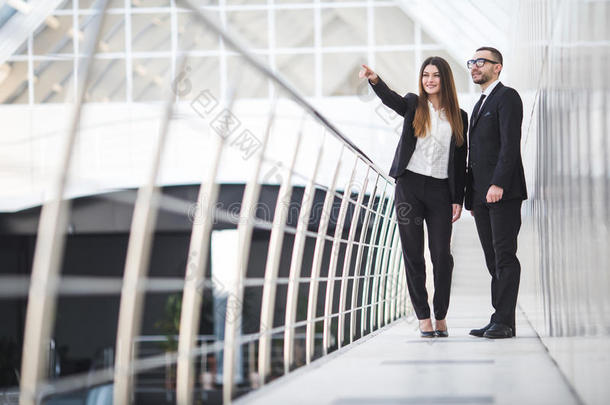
column 448, row 98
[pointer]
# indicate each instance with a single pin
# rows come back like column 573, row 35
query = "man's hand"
column 369, row 74
column 494, row 194
column 457, row 212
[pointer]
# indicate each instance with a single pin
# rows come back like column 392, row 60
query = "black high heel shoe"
column 429, row 334
column 441, row 333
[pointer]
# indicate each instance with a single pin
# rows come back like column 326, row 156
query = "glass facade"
column 561, row 51
column 317, row 46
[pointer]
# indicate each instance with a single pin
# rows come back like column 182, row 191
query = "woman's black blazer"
column 405, row 107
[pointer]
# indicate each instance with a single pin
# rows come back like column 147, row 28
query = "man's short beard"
column 483, row 79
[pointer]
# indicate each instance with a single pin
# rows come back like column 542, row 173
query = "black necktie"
column 477, row 107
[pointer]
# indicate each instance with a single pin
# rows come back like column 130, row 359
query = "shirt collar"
column 490, row 88
column 431, row 107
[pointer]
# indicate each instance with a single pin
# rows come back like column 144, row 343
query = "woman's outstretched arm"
column 388, row 96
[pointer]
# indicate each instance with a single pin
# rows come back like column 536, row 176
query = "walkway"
column 395, row 366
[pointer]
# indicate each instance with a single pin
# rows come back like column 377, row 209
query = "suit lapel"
column 486, row 105
column 451, row 153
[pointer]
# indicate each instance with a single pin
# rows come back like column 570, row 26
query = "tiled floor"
column 396, row 366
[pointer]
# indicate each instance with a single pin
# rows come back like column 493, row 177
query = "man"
column 495, row 186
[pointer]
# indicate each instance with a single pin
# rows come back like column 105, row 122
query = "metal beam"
column 17, row 29
column 459, row 34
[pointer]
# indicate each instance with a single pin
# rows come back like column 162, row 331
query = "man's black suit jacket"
column 405, row 107
column 495, row 148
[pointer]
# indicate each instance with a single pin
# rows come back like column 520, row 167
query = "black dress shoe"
column 480, row 332
column 441, row 333
column 424, row 334
column 498, row 331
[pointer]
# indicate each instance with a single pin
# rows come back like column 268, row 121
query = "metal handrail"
column 377, row 262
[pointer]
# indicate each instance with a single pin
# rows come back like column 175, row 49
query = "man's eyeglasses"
column 479, row 62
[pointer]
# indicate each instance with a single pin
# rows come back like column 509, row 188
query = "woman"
column 430, row 170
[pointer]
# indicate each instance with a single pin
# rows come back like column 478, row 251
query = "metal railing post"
column 390, row 281
column 358, row 264
column 348, row 259
column 194, row 277
column 317, row 262
column 378, row 261
column 296, row 264
column 369, row 259
column 334, row 258
column 236, row 291
column 136, row 266
column 385, row 269
column 49, row 249
column 272, row 266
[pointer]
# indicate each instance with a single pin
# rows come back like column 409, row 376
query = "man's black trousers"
column 498, row 226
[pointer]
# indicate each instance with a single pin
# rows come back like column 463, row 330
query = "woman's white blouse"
column 431, row 155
